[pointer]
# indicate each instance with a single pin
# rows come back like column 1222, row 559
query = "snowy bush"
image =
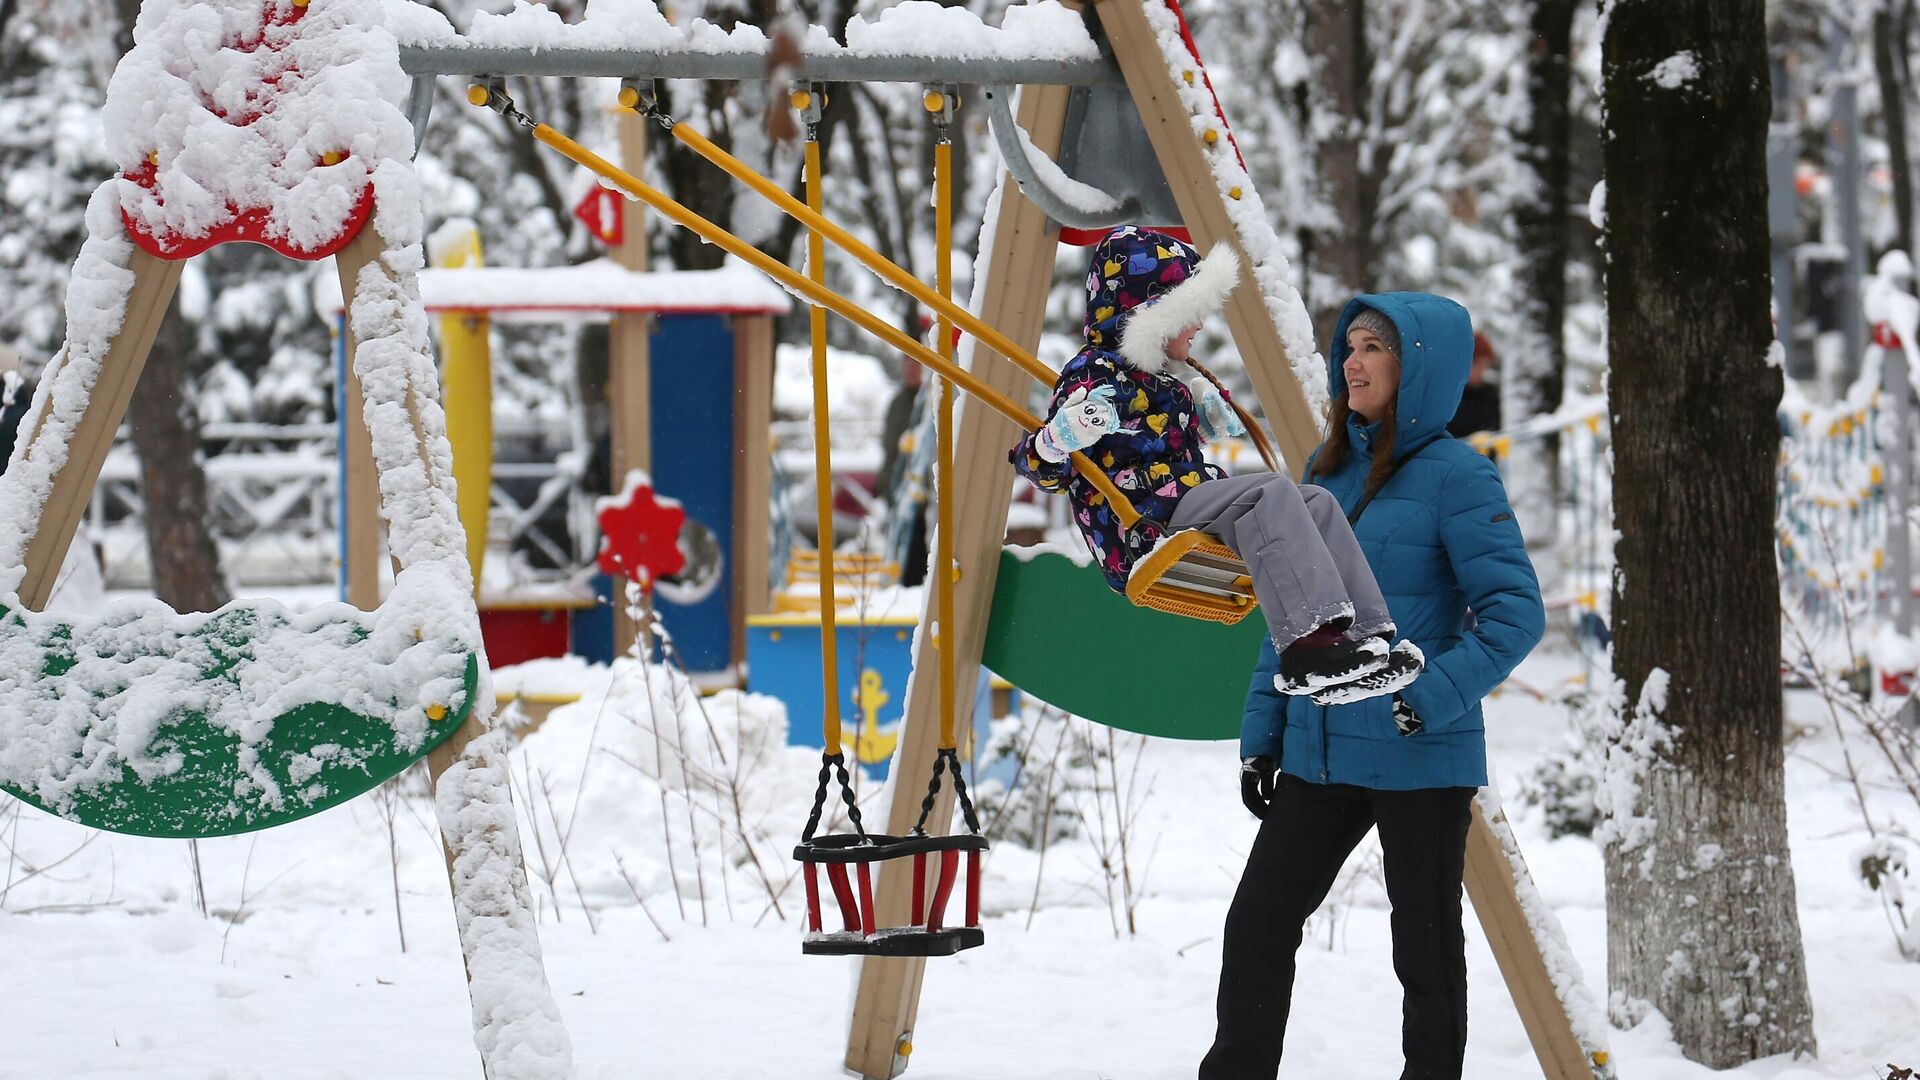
column 1076, row 782
column 644, row 792
column 1566, row 781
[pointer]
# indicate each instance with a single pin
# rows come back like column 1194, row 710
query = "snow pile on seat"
column 323, row 84
column 125, row 677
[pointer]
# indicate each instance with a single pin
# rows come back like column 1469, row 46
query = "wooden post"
column 361, row 501
column 154, row 281
column 753, row 482
column 1012, row 296
column 629, row 383
column 1492, row 876
column 1183, row 157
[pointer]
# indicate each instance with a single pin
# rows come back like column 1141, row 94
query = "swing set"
column 890, row 914
column 426, row 637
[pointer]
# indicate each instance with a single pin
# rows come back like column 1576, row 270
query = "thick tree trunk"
column 1701, row 915
column 1896, row 89
column 173, row 478
column 1533, row 369
column 1336, row 32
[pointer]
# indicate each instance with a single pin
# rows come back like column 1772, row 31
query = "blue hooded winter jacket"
column 1441, row 539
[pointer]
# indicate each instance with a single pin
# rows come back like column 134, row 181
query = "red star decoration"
column 640, row 538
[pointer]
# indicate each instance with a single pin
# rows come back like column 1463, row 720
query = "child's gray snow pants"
column 1306, row 566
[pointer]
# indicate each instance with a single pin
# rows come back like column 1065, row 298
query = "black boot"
column 1404, row 664
column 1306, row 667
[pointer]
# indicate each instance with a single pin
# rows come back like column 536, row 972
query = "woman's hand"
column 1081, row 420
column 1257, row 775
column 1405, row 718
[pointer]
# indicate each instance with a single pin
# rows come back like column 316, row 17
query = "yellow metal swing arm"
column 802, row 286
column 897, row 276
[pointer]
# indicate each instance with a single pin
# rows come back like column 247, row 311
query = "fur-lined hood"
column 1144, row 287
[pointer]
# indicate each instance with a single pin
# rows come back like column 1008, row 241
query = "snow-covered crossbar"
column 913, row 41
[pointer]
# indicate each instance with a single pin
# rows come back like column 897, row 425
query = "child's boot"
column 1404, row 664
column 1326, row 657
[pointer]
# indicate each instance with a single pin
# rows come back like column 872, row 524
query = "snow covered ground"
column 298, row 972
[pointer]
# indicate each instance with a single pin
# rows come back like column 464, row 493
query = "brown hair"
column 1334, row 450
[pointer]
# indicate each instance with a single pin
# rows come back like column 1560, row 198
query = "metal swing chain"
column 947, row 758
column 829, row 765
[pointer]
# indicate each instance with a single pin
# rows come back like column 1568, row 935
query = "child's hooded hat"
column 1144, row 287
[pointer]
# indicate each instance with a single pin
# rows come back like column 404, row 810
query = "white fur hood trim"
column 1143, row 342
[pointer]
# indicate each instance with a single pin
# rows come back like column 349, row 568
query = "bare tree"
column 1892, row 33
column 1534, row 374
column 173, row 475
column 1701, row 917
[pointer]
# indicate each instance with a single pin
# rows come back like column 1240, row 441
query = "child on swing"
column 1147, row 294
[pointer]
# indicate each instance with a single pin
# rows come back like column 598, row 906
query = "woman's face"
column 1372, row 373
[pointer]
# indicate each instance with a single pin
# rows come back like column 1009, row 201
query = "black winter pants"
column 1308, row 833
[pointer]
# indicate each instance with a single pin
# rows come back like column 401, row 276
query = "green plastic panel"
column 1060, row 634
column 317, row 755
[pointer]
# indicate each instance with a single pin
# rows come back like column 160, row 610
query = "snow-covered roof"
column 600, row 287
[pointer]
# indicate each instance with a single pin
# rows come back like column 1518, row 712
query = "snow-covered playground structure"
column 286, row 123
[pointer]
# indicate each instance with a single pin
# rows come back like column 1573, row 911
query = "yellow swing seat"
column 1191, row 574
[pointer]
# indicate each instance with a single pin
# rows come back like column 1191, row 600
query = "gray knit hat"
column 1380, row 325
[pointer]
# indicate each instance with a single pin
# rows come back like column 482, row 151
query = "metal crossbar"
column 496, row 61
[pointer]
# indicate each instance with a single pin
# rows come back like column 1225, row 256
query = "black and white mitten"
column 1405, row 718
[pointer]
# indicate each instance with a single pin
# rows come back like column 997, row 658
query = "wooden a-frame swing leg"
column 1013, row 297
column 154, row 282
column 1203, row 209
column 364, row 250
column 1492, row 877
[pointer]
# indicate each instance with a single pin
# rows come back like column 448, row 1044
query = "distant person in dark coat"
column 893, row 486
column 1480, row 401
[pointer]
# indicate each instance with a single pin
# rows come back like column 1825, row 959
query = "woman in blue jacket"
column 1433, row 521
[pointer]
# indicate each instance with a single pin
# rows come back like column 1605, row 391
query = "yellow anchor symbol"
column 871, row 745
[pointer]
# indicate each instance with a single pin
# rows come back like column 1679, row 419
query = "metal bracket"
column 1104, row 137
column 420, row 108
column 942, row 101
column 810, row 101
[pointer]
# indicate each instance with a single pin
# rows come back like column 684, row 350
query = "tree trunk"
column 693, row 181
column 1701, row 915
column 1336, row 32
column 173, row 478
column 1533, row 369
column 1896, row 87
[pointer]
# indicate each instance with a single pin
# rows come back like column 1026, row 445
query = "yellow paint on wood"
column 466, row 364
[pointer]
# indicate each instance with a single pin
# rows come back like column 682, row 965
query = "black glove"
column 1256, row 784
column 1405, row 718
